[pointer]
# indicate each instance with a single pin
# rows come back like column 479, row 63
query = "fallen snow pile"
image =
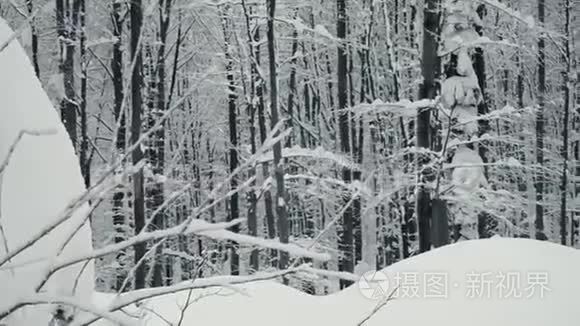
column 484, row 282
column 38, row 181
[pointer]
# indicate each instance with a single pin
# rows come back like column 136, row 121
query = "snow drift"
column 487, row 282
column 41, row 178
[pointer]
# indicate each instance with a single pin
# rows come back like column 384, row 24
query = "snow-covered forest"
column 254, row 162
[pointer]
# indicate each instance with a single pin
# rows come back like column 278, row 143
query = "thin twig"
column 379, row 306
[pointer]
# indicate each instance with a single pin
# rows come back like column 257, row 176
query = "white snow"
column 318, row 153
column 469, row 271
column 458, row 90
column 464, row 66
column 322, row 31
column 468, row 175
column 41, row 178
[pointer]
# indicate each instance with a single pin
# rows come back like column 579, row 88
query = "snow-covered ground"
column 485, row 282
column 40, row 178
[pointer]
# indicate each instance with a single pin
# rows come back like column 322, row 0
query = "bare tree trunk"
column 540, row 180
column 520, row 82
column 155, row 191
column 430, row 69
column 154, row 276
column 486, row 224
column 407, row 223
column 34, row 39
column 346, row 263
column 268, row 203
column 252, row 197
column 292, row 87
column 84, row 150
column 576, row 150
column 233, row 129
column 136, row 14
column 304, row 138
column 567, row 106
column 66, row 23
column 281, row 212
column 117, row 71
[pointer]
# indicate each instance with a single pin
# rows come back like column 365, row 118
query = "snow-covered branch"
column 44, row 299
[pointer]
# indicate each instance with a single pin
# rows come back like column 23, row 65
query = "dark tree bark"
column 540, row 180
column 354, row 154
column 520, row 82
column 252, row 197
column 565, row 133
column 66, row 24
column 176, row 55
column 440, row 227
column 157, row 144
column 233, row 152
column 117, row 71
column 305, row 139
column 34, row 39
column 292, row 87
column 407, row 222
column 151, row 153
column 281, row 212
column 136, row 15
column 268, row 203
column 346, row 263
column 486, row 224
column 430, row 69
column 84, row 150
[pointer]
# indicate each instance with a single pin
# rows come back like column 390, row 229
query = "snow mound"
column 478, row 283
column 41, row 178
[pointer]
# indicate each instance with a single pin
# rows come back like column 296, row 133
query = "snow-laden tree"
column 461, row 98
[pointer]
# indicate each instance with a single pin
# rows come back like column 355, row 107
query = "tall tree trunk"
column 486, row 224
column 66, row 24
column 233, row 128
column 252, row 197
column 430, row 69
column 34, row 38
column 117, row 71
column 136, row 15
column 292, row 87
column 268, row 203
column 575, row 100
column 407, row 223
column 151, row 155
column 157, row 144
column 540, row 180
column 565, row 137
column 346, row 263
column 305, row 138
column 84, row 150
column 281, row 212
